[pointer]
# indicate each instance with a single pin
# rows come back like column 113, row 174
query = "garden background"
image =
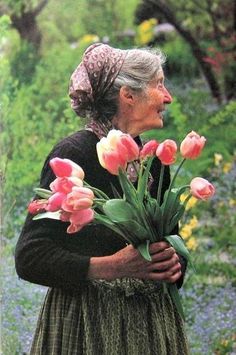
column 41, row 42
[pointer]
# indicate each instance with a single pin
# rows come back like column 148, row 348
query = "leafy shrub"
column 180, row 60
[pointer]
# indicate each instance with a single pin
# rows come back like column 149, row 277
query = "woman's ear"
column 127, row 95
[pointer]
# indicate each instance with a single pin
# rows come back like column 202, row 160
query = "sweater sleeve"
column 41, row 256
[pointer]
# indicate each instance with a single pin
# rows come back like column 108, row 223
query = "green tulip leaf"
column 178, row 244
column 174, row 219
column 128, row 189
column 43, row 192
column 151, row 206
column 174, row 294
column 144, row 250
column 118, row 210
column 136, row 229
column 143, row 180
column 51, row 215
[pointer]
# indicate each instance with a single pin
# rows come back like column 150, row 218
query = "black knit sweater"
column 45, row 253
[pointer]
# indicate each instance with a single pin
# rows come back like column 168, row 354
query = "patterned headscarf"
column 93, row 77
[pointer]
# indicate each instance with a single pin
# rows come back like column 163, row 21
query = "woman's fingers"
column 170, row 275
column 161, row 264
column 157, row 247
column 164, row 266
column 164, row 254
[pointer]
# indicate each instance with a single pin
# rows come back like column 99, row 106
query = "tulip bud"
column 55, row 202
column 65, row 184
column 116, row 150
column 192, row 145
column 79, row 198
column 66, row 168
column 166, row 152
column 37, row 206
column 201, row 188
column 149, row 149
column 79, row 219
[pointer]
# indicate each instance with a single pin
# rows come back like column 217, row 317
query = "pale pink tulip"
column 113, row 161
column 116, row 150
column 55, row 201
column 149, row 149
column 65, row 184
column 201, row 188
column 107, row 144
column 79, row 198
column 79, row 219
column 192, row 145
column 166, row 152
column 66, row 168
column 37, row 206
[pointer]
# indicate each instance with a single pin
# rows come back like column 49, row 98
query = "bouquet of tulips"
column 136, row 216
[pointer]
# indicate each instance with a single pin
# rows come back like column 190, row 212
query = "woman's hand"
column 127, row 262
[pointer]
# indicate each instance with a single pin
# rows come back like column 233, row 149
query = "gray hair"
column 139, row 68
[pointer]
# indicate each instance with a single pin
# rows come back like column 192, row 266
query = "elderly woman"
column 103, row 297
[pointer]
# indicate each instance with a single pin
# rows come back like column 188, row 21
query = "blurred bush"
column 180, row 60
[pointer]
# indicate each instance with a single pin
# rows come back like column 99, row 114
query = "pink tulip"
column 192, row 145
column 166, row 152
column 65, row 184
column 201, row 188
column 149, row 149
column 55, row 201
column 37, row 206
column 66, row 168
column 113, row 161
column 131, row 147
column 65, row 216
column 116, row 150
column 79, row 198
column 79, row 219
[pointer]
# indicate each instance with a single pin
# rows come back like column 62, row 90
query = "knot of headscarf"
column 94, row 76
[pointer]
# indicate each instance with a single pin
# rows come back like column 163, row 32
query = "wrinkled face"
column 147, row 112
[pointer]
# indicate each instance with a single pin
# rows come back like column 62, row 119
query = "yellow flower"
column 145, row 31
column 191, row 202
column 192, row 243
column 227, row 167
column 224, row 342
column 217, row 159
column 186, row 231
column 232, row 202
column 193, row 222
column 89, row 38
column 183, row 197
column 147, row 25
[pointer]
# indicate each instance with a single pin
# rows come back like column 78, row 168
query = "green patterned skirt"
column 122, row 317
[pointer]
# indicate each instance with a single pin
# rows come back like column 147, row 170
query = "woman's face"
column 147, row 107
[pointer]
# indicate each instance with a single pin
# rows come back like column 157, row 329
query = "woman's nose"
column 167, row 96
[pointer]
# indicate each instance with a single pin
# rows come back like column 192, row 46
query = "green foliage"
column 180, row 60
column 111, row 17
column 35, row 117
column 17, row 7
column 23, row 62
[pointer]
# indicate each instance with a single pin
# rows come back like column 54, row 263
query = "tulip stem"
column 98, row 192
column 172, row 181
column 187, row 198
column 160, row 184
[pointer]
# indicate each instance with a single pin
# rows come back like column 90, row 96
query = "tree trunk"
column 198, row 52
column 28, row 29
column 26, row 24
